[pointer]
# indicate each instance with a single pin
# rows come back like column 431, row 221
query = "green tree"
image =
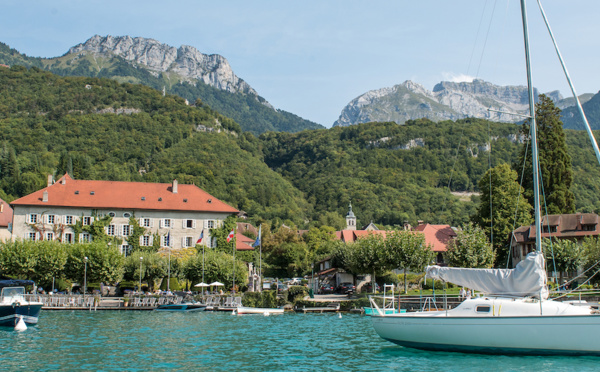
column 506, row 201
column 564, row 255
column 554, row 159
column 470, row 248
column 153, row 267
column 218, row 267
column 407, row 249
column 104, row 264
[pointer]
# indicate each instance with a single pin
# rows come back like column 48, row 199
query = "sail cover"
column 528, row 278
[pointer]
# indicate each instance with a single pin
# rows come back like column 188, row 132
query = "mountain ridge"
column 447, row 101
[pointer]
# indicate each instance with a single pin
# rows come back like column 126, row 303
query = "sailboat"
column 515, row 315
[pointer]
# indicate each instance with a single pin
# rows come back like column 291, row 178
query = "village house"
column 574, row 226
column 176, row 214
column 436, row 236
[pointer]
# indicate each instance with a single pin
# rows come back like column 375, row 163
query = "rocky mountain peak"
column 448, row 101
column 185, row 61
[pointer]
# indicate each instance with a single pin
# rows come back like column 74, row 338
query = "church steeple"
column 350, row 218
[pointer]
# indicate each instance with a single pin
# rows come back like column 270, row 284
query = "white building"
column 177, row 214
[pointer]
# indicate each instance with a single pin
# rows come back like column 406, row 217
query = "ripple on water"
column 141, row 341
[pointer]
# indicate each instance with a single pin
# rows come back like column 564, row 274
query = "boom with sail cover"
column 528, row 278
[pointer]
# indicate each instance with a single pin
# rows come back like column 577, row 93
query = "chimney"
column 63, row 181
column 174, row 187
column 50, row 180
column 45, row 196
column 1, row 207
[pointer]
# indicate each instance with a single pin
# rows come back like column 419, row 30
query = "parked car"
column 295, row 281
column 346, row 288
column 325, row 288
column 368, row 287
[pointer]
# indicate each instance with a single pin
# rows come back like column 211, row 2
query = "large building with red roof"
column 6, row 215
column 176, row 214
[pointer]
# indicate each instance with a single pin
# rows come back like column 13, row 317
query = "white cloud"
column 457, row 78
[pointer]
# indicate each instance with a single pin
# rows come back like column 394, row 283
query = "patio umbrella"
column 216, row 284
column 202, row 285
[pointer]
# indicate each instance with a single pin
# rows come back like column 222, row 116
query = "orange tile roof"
column 437, row 235
column 6, row 213
column 125, row 195
column 243, row 243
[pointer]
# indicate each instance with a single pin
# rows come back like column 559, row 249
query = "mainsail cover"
column 528, row 278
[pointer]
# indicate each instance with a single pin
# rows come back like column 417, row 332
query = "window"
column 164, row 241
column 49, row 236
column 145, row 241
column 32, row 218
column 125, row 249
column 87, row 221
column 210, row 224
column 112, row 214
column 110, row 230
column 189, row 224
column 213, row 243
column 85, row 238
column 483, row 309
column 68, row 238
column 51, row 218
column 68, row 220
column 146, row 222
column 188, row 241
column 125, row 230
column 32, row 236
column 126, row 214
column 165, row 223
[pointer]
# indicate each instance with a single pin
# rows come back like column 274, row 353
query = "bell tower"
column 350, row 218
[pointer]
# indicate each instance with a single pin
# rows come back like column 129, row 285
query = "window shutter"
column 151, row 222
column 206, row 224
column 161, row 223
column 194, row 224
column 183, row 242
column 183, row 224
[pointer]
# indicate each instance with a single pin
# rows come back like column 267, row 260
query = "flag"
column 200, row 238
column 257, row 242
column 168, row 239
column 230, row 236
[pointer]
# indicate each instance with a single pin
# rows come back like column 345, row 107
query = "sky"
column 313, row 57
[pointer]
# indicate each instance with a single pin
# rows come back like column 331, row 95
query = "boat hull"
column 241, row 310
column 181, row 307
column 537, row 335
column 10, row 314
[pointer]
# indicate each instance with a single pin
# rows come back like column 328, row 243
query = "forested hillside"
column 247, row 110
column 391, row 173
column 52, row 125
column 97, row 128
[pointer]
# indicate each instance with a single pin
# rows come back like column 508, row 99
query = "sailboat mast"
column 533, row 129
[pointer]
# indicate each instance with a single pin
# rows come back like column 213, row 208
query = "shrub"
column 296, row 292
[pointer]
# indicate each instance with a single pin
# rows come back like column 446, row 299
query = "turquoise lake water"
column 141, row 341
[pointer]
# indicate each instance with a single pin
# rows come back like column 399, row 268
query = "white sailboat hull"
column 558, row 332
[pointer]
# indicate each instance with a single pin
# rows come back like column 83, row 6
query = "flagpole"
column 169, row 274
column 233, row 288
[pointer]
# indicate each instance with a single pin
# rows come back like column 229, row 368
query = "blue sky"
column 312, row 57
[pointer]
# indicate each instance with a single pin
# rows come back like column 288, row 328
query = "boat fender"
column 16, row 304
column 266, row 313
column 20, row 326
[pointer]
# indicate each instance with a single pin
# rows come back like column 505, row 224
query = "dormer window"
column 143, row 198
column 76, row 192
column 92, row 193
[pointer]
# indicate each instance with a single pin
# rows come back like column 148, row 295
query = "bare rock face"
column 186, row 61
column 447, row 101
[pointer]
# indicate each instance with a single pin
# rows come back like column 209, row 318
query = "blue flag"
column 168, row 239
column 257, row 242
